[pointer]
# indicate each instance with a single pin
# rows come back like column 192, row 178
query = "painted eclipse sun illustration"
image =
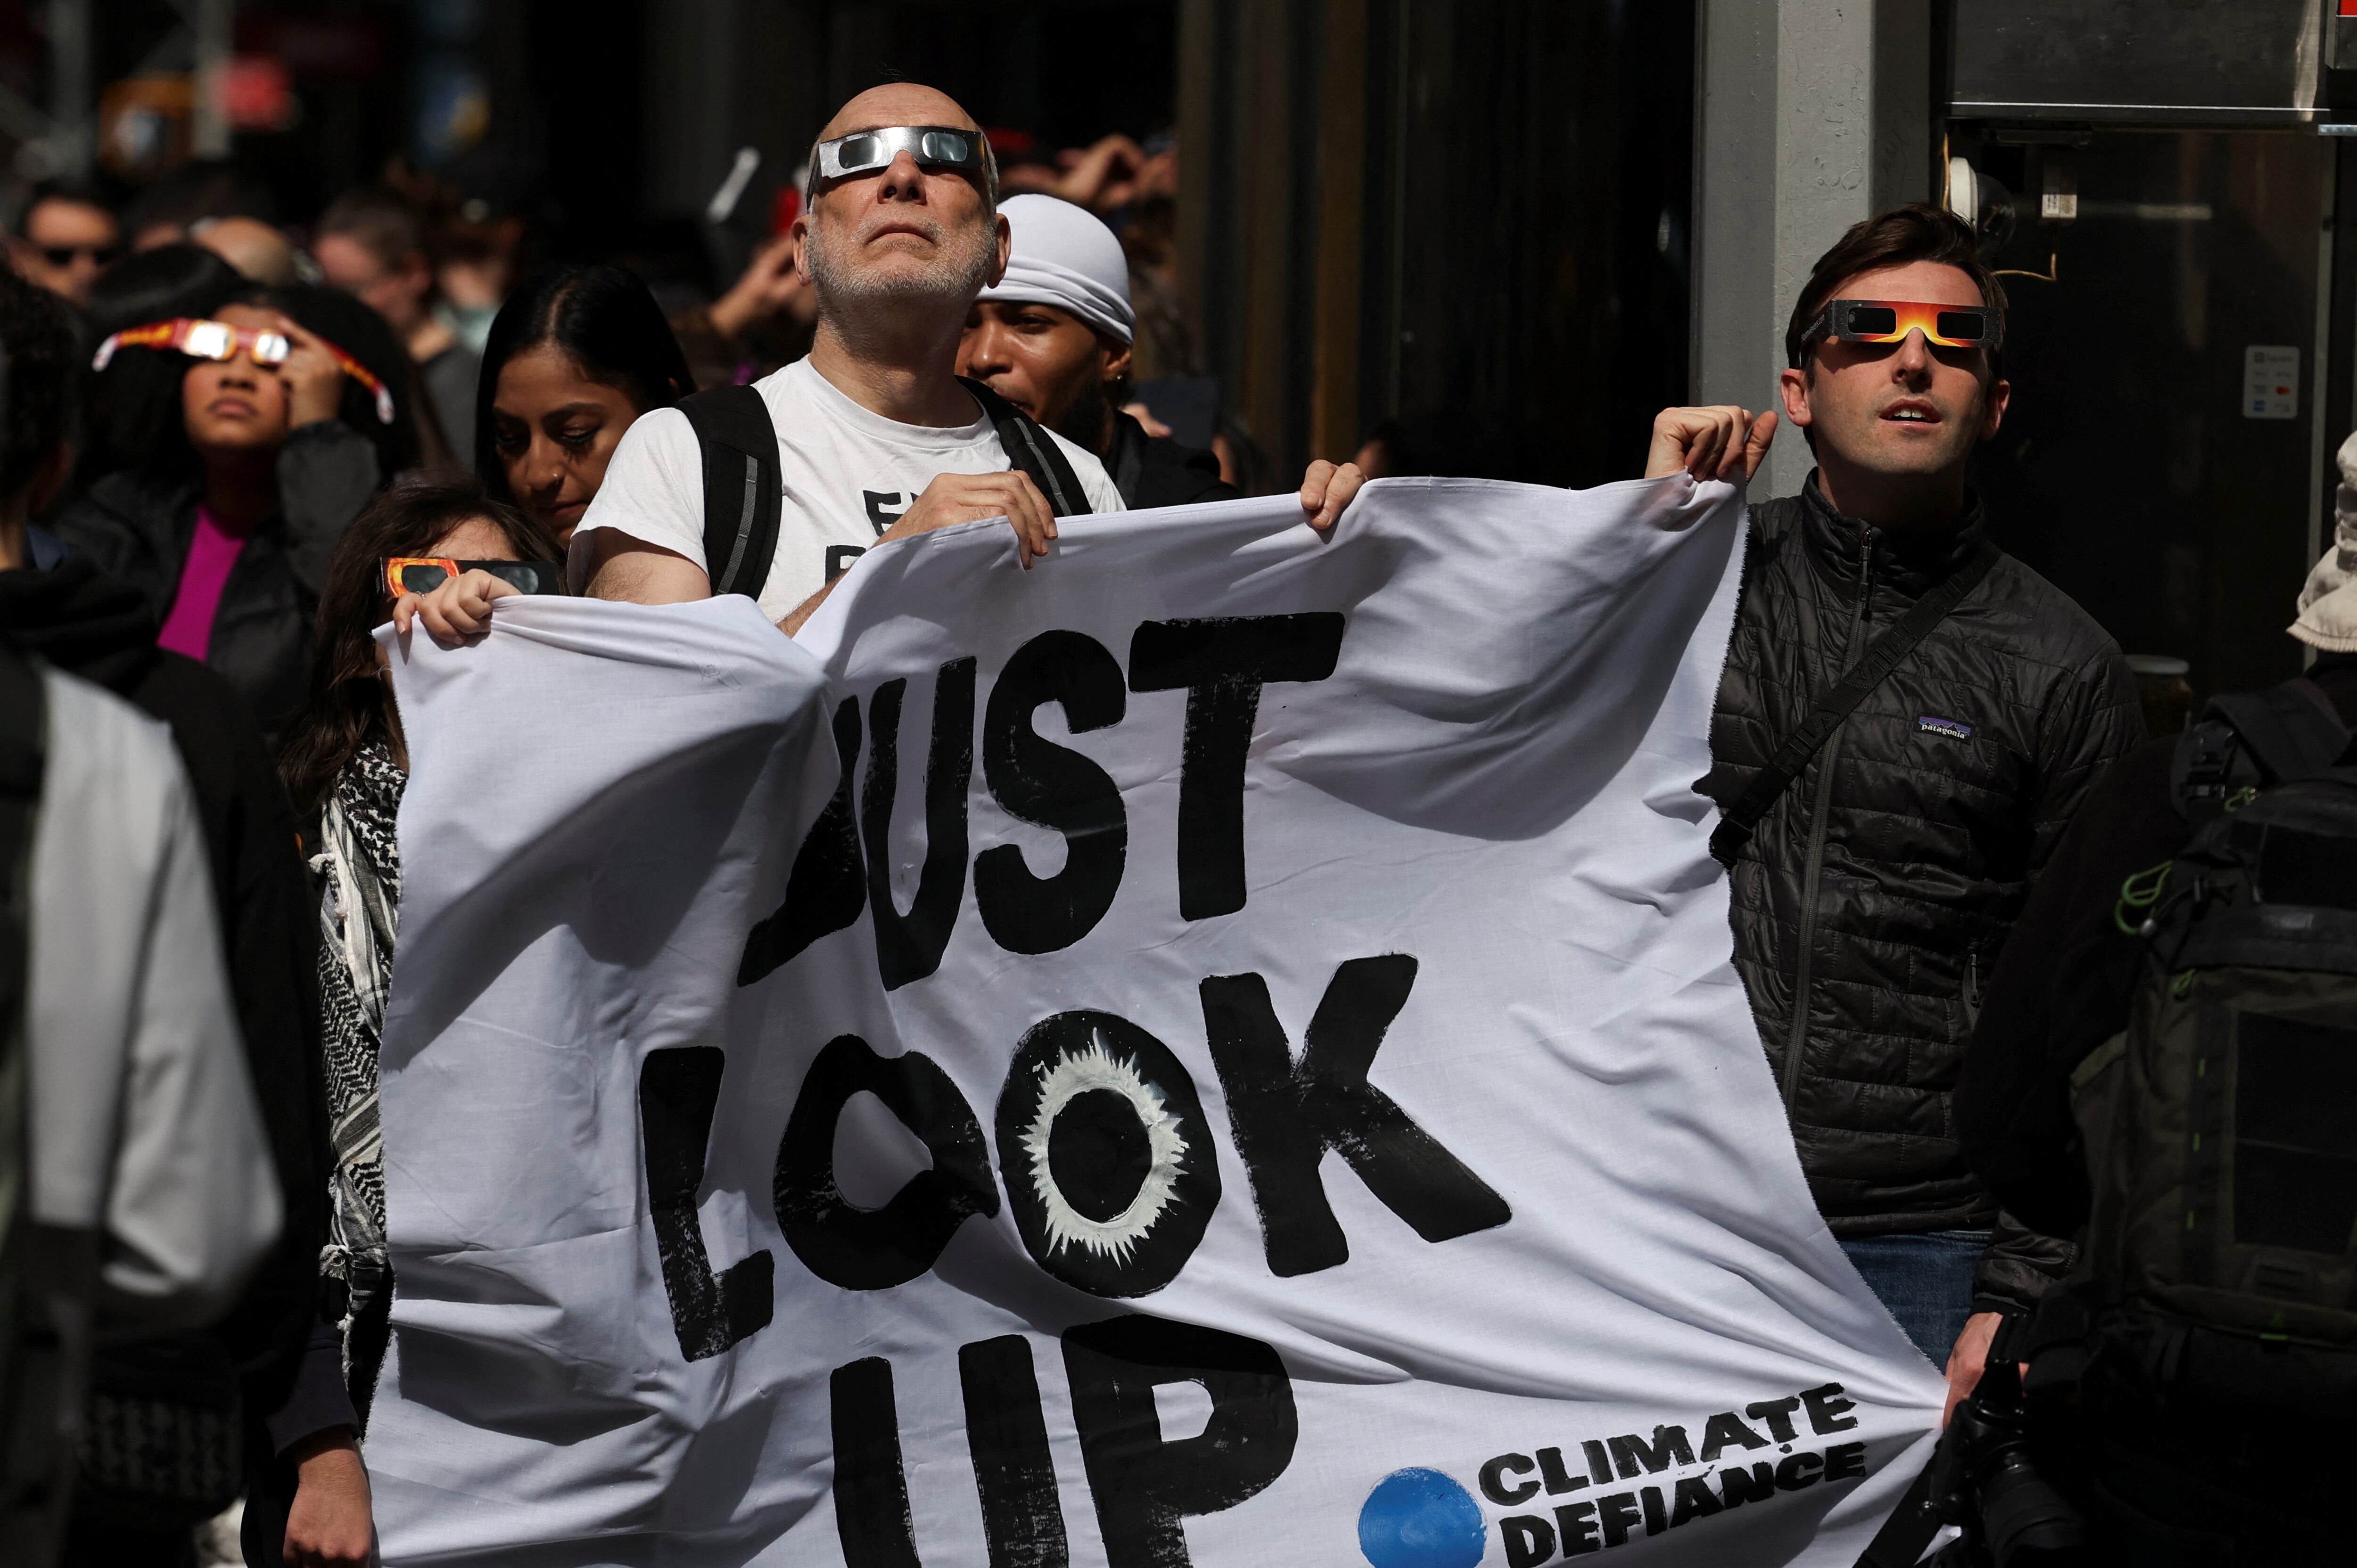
column 1079, row 1072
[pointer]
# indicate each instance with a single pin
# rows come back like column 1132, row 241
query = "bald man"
column 876, row 438
column 251, row 246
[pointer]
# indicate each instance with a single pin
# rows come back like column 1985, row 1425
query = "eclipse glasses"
column 423, row 574
column 219, row 341
column 933, row 147
column 1890, row 320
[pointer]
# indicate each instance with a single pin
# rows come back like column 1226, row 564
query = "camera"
column 1983, row 1480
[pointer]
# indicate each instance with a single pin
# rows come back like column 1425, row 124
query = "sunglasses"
column 933, row 147
column 423, row 574
column 1890, row 320
column 219, row 341
column 66, row 255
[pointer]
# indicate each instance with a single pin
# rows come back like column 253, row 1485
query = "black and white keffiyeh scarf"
column 360, row 863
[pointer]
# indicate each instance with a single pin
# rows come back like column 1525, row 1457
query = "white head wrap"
column 1064, row 257
column 2328, row 603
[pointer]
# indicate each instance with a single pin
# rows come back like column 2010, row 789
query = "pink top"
column 212, row 554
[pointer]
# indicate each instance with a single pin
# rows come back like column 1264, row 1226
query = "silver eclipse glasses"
column 933, row 147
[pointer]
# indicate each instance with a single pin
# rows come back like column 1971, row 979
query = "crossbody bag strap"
column 1840, row 700
column 1032, row 450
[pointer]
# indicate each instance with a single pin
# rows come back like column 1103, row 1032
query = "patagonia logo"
column 1954, row 729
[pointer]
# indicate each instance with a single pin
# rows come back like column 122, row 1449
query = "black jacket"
column 139, row 528
column 1871, row 907
column 1153, row 470
column 84, row 622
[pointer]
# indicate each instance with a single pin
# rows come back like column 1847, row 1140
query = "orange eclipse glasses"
column 1890, row 320
column 219, row 341
column 423, row 574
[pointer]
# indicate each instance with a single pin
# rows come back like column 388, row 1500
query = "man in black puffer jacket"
column 1872, row 900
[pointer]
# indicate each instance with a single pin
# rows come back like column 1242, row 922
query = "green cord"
column 2140, row 891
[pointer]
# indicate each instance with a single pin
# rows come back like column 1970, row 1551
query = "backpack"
column 744, row 488
column 2222, row 1126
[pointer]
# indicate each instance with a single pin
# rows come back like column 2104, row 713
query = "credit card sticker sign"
column 2270, row 383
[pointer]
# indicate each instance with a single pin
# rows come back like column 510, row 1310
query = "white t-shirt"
column 849, row 474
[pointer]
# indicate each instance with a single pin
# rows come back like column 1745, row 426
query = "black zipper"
column 1797, row 1036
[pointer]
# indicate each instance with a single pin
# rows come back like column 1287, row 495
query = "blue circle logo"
column 1421, row 1519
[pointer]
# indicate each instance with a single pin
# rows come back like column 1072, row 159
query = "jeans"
column 1925, row 1279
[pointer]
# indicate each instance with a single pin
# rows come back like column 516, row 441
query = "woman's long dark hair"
column 137, row 420
column 606, row 320
column 361, row 332
column 346, row 709
column 132, row 417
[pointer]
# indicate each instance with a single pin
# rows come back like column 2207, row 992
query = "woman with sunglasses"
column 575, row 356
column 345, row 766
column 246, row 435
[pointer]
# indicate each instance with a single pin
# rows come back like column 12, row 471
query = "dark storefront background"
column 1461, row 224
column 1468, row 220
column 2131, row 468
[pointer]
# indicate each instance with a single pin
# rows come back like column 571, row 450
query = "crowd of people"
column 228, row 461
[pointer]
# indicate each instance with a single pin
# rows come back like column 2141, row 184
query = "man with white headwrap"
column 1053, row 337
column 2166, row 1468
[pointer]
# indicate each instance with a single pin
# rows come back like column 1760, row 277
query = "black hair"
column 81, row 193
column 203, row 187
column 603, row 318
column 159, row 284
column 39, row 337
column 361, row 333
column 133, row 410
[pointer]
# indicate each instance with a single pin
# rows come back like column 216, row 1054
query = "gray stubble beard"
column 949, row 281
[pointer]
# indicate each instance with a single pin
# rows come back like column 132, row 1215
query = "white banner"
column 1219, row 1050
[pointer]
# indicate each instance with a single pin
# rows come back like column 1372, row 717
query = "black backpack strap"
column 1032, row 451
column 1909, row 1530
column 743, row 487
column 1124, row 458
column 2290, row 730
column 2204, row 762
column 2254, row 740
column 1841, row 699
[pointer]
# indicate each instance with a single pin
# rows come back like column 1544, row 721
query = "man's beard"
column 1088, row 422
column 959, row 268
